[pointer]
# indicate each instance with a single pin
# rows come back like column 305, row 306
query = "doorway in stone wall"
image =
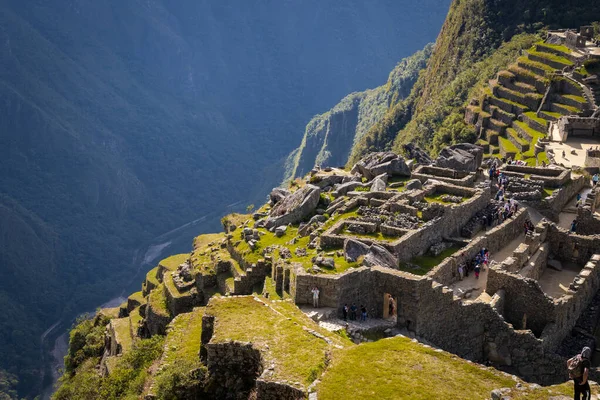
column 390, row 306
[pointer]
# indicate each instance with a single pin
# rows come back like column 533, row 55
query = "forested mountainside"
column 329, row 137
column 477, row 40
column 124, row 119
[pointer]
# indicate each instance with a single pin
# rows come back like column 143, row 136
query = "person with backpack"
column 579, row 367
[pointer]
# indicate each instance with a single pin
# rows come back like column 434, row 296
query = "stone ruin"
column 384, row 219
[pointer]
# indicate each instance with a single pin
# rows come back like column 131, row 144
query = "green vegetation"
column 125, row 381
column 158, row 301
column 297, row 354
column 182, row 372
column 398, row 368
column 269, row 239
column 369, row 106
column 86, row 340
column 551, row 57
column 428, row 262
column 171, row 263
column 553, row 48
column 507, row 145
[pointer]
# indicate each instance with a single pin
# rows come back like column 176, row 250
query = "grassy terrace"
column 171, row 263
column 578, row 99
column 151, row 277
column 426, row 263
column 134, row 318
column 205, row 240
column 512, row 133
column 551, row 57
column 121, row 327
column 533, row 116
column 400, row 369
column 553, row 48
column 182, row 344
column 507, row 145
column 297, row 355
column 269, row 239
column 158, row 302
column 526, row 63
column 137, row 296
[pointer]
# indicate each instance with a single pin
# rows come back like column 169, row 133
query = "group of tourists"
column 352, row 312
column 475, row 265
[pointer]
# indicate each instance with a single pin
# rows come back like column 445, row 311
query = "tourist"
column 564, row 154
column 363, row 313
column 391, row 306
column 578, row 368
column 461, row 271
column 353, row 309
column 574, row 226
column 345, row 312
column 595, row 179
column 477, row 270
column 315, row 296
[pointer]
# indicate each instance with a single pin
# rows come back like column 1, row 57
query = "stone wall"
column 233, row 368
column 495, row 239
column 268, row 390
column 568, row 247
column 552, row 177
column 155, row 323
column 526, row 305
column 460, row 178
column 553, row 205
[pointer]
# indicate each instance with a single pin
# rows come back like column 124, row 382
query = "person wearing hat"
column 580, row 375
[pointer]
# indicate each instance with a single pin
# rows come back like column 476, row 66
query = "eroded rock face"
column 461, row 157
column 353, row 249
column 376, row 164
column 278, row 194
column 415, row 152
column 378, row 256
column 294, row 207
column 413, row 184
column 379, row 183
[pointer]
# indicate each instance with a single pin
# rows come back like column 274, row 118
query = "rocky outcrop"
column 461, row 157
column 329, row 137
column 353, row 249
column 378, row 256
column 295, row 207
column 376, row 164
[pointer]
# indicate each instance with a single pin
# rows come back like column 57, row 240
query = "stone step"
column 529, row 77
column 563, row 109
column 497, row 126
column 507, row 105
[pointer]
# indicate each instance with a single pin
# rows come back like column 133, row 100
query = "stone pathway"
column 371, row 324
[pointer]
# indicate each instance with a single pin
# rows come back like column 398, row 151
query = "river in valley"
column 176, row 241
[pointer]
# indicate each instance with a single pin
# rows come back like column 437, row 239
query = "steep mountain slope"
column 123, row 120
column 472, row 32
column 329, row 137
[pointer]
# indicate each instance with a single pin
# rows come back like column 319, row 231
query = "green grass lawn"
column 507, row 145
column 552, row 57
column 151, row 276
column 158, row 301
column 428, row 262
column 171, row 263
column 400, row 369
column 297, row 355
